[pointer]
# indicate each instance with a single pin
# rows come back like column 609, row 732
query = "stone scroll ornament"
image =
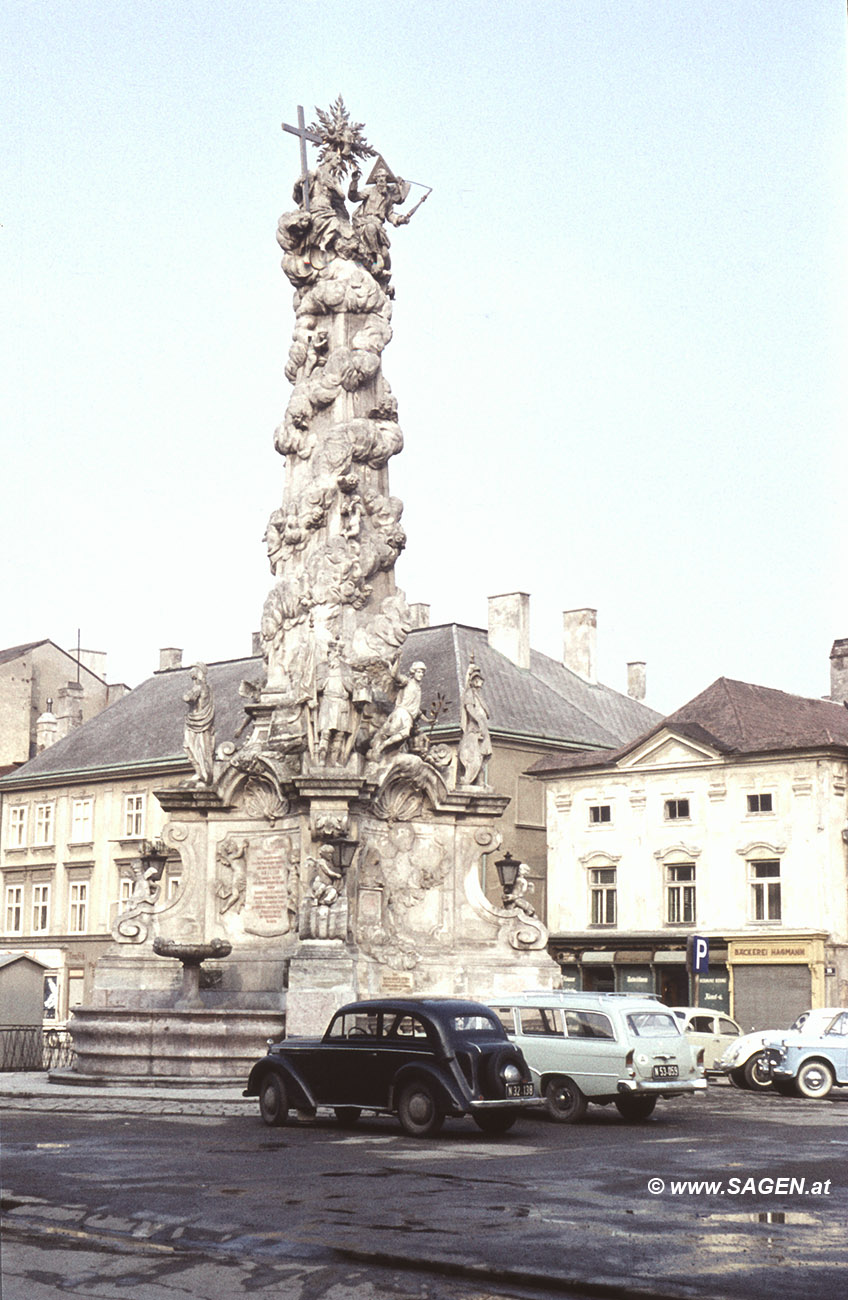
column 334, row 622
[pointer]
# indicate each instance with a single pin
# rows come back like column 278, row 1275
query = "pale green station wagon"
column 618, row 1048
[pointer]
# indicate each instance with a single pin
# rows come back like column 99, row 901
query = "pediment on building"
column 668, row 749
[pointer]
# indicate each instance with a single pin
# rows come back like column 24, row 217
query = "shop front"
column 773, row 978
column 649, row 966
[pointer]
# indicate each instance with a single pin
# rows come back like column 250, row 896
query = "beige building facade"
column 727, row 820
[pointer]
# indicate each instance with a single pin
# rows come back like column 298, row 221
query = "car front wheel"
column 815, row 1079
column 757, row 1073
column 635, row 1108
column 496, row 1121
column 273, row 1102
column 564, row 1101
column 419, row 1111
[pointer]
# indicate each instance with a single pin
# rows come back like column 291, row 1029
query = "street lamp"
column 153, row 858
column 345, row 850
column 507, row 869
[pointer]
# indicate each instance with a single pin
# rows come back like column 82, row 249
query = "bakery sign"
column 764, row 950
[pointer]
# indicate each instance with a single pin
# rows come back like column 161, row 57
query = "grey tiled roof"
column 734, row 718
column 547, row 703
column 145, row 726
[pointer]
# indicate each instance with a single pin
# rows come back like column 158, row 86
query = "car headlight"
column 511, row 1074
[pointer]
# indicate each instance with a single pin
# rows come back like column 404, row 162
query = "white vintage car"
column 618, row 1048
column 745, row 1062
column 711, row 1030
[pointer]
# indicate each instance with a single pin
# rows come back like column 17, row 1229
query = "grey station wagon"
column 617, row 1048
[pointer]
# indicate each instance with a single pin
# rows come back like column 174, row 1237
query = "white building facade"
column 729, row 821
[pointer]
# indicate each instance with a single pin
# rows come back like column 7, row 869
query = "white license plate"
column 519, row 1090
column 664, row 1072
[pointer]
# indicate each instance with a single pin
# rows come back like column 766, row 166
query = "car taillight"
column 628, row 1062
column 699, row 1059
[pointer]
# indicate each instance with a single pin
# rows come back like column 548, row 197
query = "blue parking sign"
column 698, row 954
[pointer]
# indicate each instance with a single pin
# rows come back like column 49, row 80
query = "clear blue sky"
column 619, row 327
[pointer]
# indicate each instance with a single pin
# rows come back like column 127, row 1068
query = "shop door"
column 673, row 985
column 769, row 997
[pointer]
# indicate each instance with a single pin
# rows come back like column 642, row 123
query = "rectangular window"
column 676, row 810
column 765, row 890
column 40, row 909
column 14, row 909
column 17, row 826
column 134, row 816
column 602, row 882
column 600, row 812
column 78, row 912
column 759, row 803
column 44, row 823
column 680, row 893
column 82, row 821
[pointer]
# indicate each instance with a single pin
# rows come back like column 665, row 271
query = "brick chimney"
column 580, row 642
column 509, row 626
column 839, row 671
column 636, row 680
column 169, row 658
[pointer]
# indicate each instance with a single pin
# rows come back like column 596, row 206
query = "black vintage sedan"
column 422, row 1059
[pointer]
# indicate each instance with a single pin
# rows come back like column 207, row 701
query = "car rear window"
column 653, row 1024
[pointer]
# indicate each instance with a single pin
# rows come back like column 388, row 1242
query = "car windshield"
column 653, row 1024
column 839, row 1025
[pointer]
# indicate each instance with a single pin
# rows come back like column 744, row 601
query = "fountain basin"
column 160, row 1044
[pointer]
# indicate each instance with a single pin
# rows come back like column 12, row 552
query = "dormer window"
column 760, row 803
column 600, row 813
column 676, row 810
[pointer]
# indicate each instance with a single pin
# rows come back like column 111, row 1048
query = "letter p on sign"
column 698, row 954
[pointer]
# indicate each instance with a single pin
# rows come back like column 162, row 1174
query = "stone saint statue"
column 476, row 745
column 199, row 740
column 336, row 720
column 398, row 725
column 376, row 204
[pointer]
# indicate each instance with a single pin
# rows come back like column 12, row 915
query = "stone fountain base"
column 162, row 1044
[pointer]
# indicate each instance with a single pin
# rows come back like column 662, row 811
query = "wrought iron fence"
column 28, row 1047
